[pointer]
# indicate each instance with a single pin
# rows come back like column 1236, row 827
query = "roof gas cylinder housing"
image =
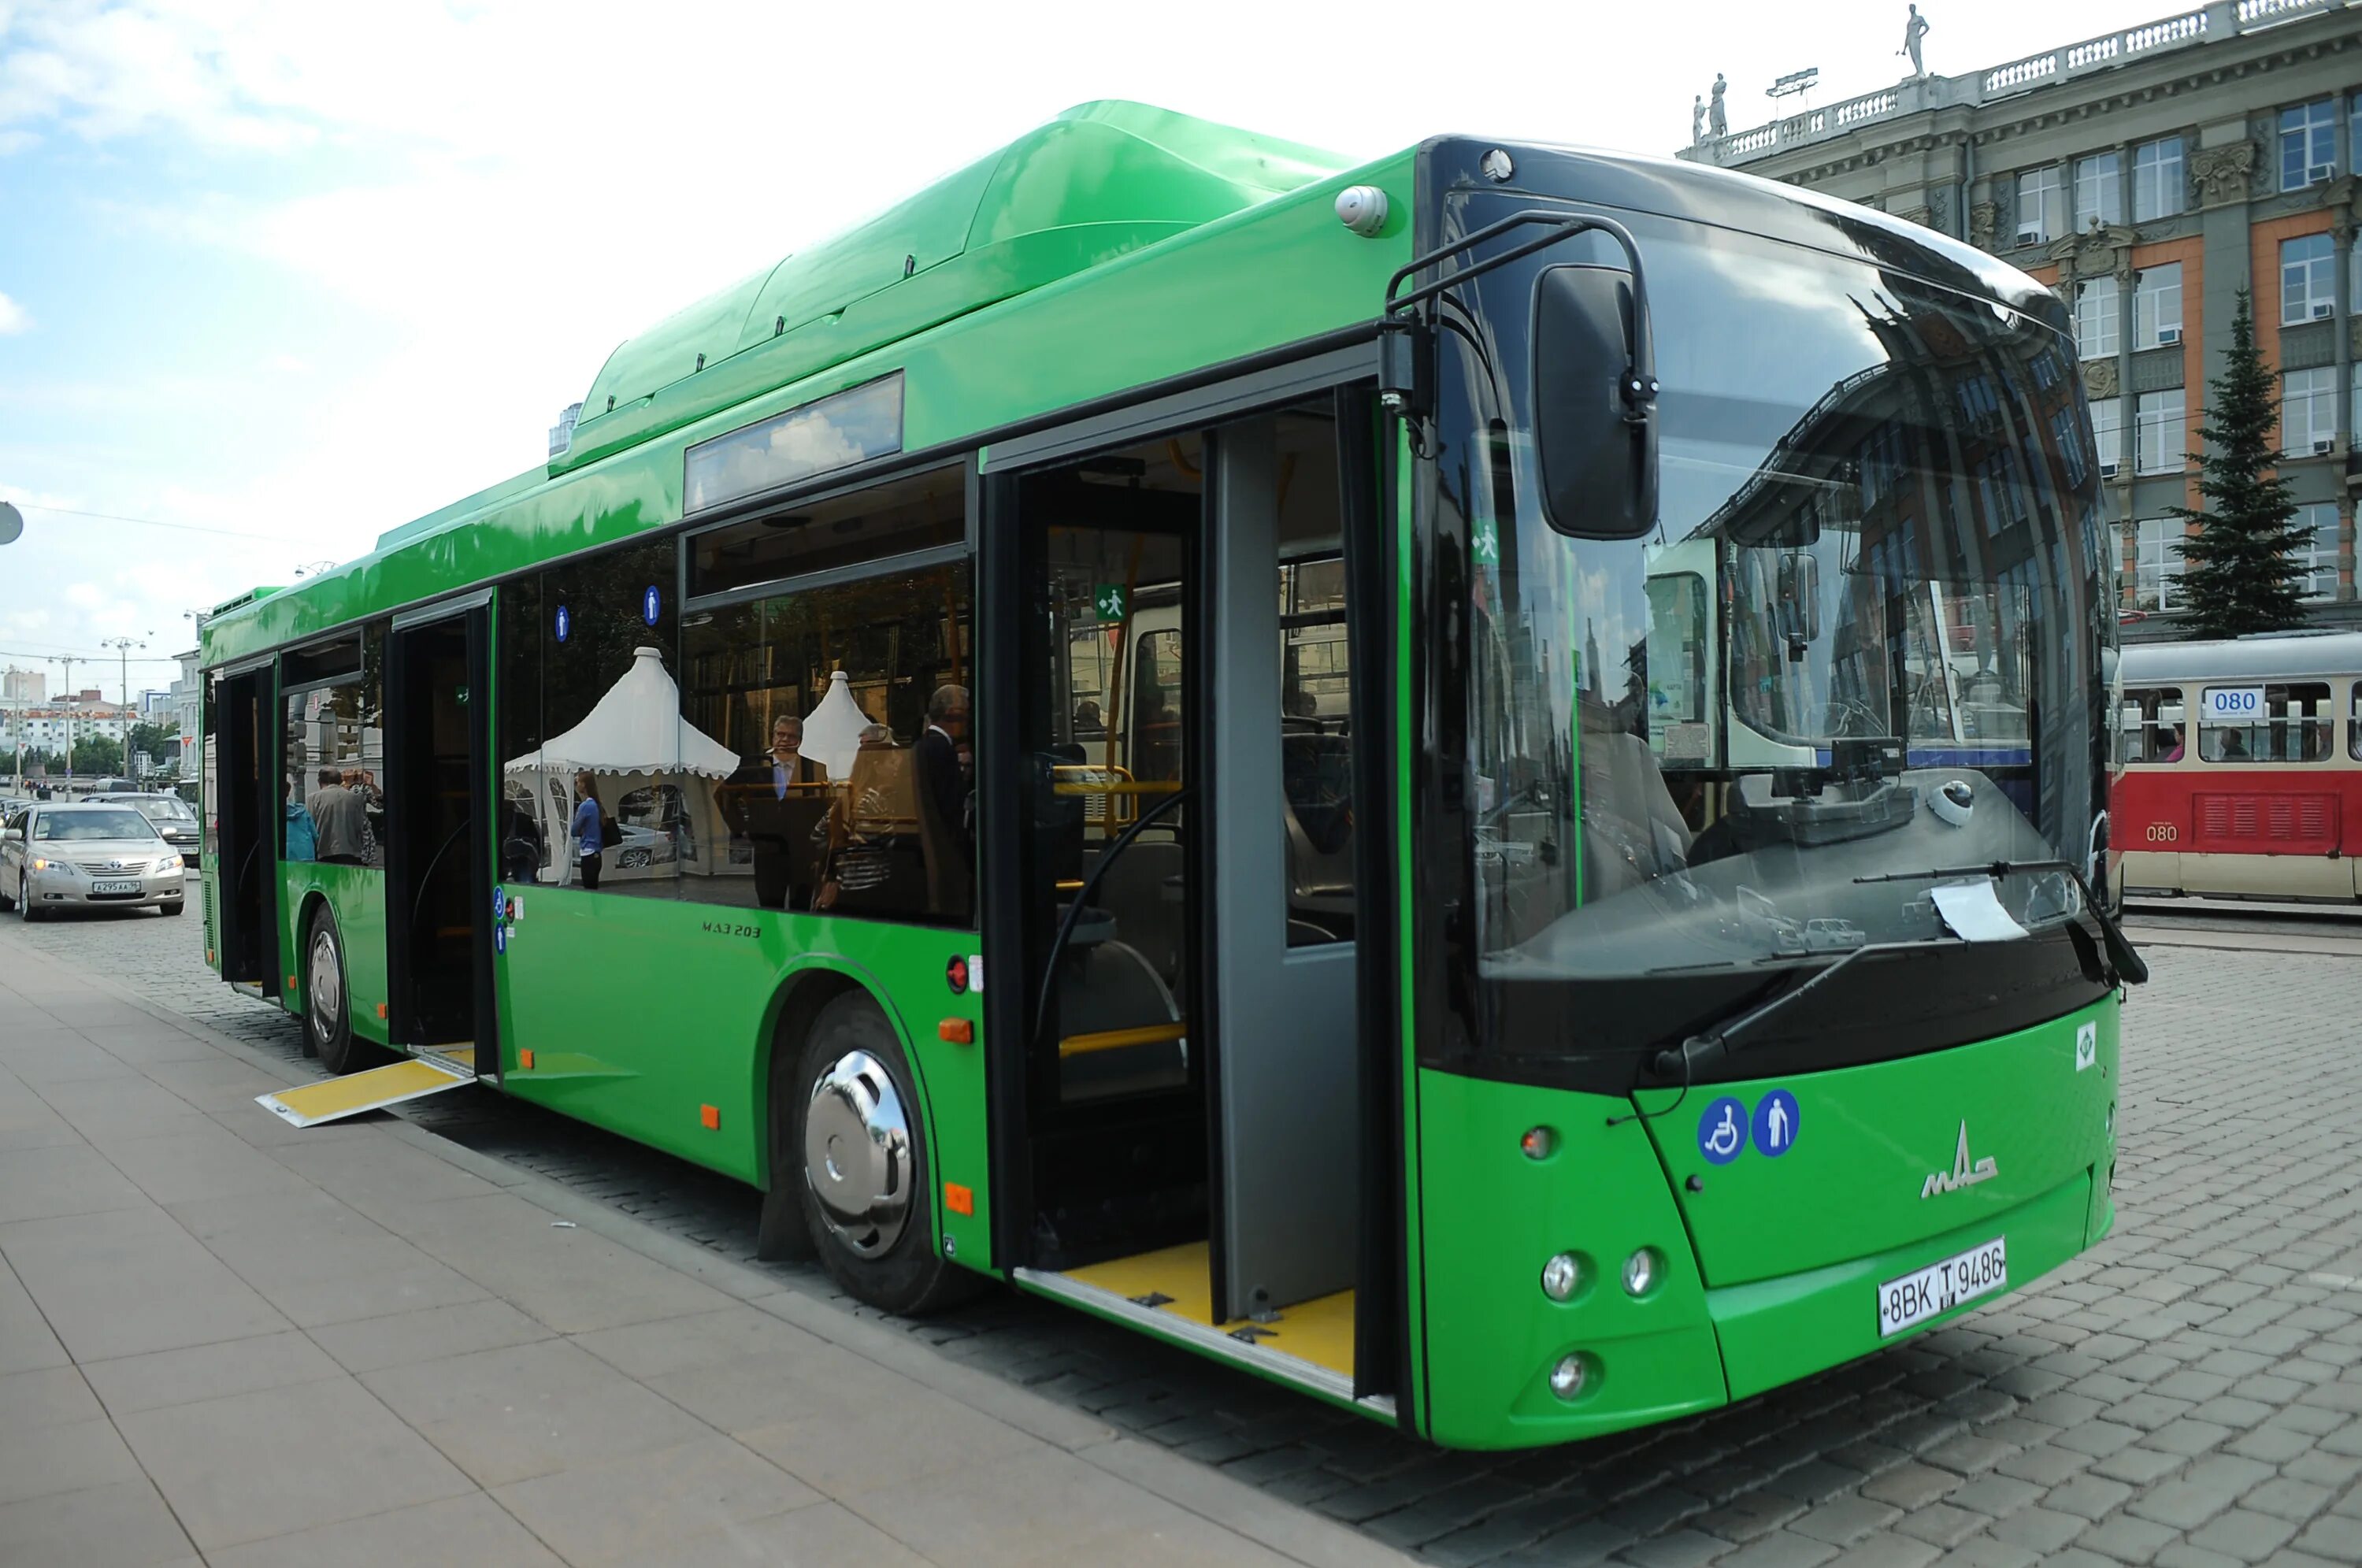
column 1099, row 181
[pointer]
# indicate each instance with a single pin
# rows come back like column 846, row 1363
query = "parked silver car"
column 173, row 819
column 86, row 855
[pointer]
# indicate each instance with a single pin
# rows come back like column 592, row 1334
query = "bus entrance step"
column 336, row 1097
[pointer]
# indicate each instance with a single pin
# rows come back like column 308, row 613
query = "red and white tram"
column 2241, row 767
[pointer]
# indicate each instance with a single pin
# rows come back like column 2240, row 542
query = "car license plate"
column 103, row 888
column 1940, row 1287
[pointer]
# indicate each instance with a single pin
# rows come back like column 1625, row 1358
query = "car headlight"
column 169, row 862
column 41, row 864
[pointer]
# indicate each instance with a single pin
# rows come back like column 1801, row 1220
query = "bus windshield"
column 1864, row 638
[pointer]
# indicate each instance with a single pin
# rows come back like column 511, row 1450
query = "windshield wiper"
column 1721, row 1036
column 2128, row 964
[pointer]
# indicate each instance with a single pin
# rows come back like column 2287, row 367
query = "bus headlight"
column 1562, row 1275
column 1570, row 1377
column 1641, row 1271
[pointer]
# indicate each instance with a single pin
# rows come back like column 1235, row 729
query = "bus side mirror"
column 1594, row 426
column 1800, row 599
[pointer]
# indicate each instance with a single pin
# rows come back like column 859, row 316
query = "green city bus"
column 1410, row 680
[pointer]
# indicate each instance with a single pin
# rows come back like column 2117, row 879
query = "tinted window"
column 93, row 825
column 892, row 519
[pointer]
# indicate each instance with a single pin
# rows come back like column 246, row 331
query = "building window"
column 2041, row 206
column 2308, row 279
column 2097, row 303
column 2099, row 190
column 2157, row 183
column 2156, row 563
column 2158, row 439
column 2157, row 306
column 2308, row 153
column 2108, row 433
column 2069, row 443
column 2318, row 554
column 2308, row 412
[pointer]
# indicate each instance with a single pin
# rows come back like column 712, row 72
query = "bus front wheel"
column 858, row 1156
column 327, row 1020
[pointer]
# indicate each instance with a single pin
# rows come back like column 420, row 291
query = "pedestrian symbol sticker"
column 1109, row 600
column 1776, row 1123
column 651, row 605
column 1722, row 1130
column 565, row 624
column 2087, row 1047
column 499, row 939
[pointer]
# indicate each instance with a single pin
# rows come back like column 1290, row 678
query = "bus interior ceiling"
column 1232, row 542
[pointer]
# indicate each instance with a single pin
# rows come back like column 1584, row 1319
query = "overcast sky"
column 297, row 272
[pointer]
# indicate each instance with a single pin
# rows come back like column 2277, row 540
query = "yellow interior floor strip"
column 314, row 1103
column 1319, row 1330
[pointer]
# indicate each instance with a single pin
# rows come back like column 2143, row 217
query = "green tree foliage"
column 93, row 757
column 154, row 739
column 2238, row 573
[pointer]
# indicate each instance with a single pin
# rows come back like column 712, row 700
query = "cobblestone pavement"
column 2187, row 1394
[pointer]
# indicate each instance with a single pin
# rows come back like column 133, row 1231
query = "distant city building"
column 188, row 701
column 23, row 686
column 2148, row 175
column 45, row 728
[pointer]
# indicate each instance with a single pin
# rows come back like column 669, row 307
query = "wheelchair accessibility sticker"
column 1722, row 1130
column 1725, row 1127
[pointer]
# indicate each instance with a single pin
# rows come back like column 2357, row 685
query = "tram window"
column 838, row 794
column 2294, row 724
column 2354, row 726
column 2151, row 725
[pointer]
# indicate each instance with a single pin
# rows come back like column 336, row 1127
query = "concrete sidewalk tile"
column 197, row 1161
column 1022, row 1510
column 128, row 1281
column 159, row 1378
column 1302, row 1535
column 316, row 1259
column 44, row 1059
column 430, row 1333
column 216, row 1082
column 26, row 1342
column 252, row 1124
column 37, row 1460
column 849, row 1451
column 824, row 1533
column 730, row 1333
column 68, row 1178
column 151, row 1045
column 569, row 1278
column 122, row 1524
column 512, row 1414
column 472, row 1532
column 619, row 1510
column 27, row 1122
column 111, row 1110
column 383, row 1176
column 49, row 1397
column 249, row 1466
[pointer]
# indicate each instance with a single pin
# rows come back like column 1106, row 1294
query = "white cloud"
column 13, row 317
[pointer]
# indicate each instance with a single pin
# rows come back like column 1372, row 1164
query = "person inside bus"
column 302, row 841
column 590, row 832
column 2169, row 742
column 2232, row 747
column 339, row 821
column 942, row 805
column 774, row 802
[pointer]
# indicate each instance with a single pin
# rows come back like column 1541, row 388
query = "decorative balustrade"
column 2218, row 19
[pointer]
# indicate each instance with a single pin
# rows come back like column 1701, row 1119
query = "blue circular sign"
column 564, row 623
column 650, row 605
column 1722, row 1130
column 1777, row 1121
column 500, row 906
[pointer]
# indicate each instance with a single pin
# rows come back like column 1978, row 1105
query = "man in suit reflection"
column 942, row 805
column 772, row 801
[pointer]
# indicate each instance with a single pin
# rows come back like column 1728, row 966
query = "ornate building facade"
column 2148, row 175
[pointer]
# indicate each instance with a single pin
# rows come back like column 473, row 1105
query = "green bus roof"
column 1100, row 191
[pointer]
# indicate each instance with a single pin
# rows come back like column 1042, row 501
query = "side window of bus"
column 334, row 751
column 1315, row 685
column 827, row 657
column 2150, row 726
column 2243, row 724
column 2353, row 725
column 604, row 727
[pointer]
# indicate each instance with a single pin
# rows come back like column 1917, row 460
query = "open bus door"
column 440, row 798
column 1188, row 1140
column 245, row 805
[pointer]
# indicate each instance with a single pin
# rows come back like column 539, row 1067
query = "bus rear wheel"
column 327, row 1013
column 859, row 1153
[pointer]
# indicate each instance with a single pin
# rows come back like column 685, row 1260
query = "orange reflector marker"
column 956, row 1030
column 209, row 955
column 710, row 1116
column 958, row 1200
column 291, row 982
column 525, row 1060
column 380, row 1010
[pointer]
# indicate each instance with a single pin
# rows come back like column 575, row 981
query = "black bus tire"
column 328, row 999
column 887, row 1254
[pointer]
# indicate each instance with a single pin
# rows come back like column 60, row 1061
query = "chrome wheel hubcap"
column 328, row 987
column 858, row 1157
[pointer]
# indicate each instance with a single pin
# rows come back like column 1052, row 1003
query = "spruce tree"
column 2238, row 574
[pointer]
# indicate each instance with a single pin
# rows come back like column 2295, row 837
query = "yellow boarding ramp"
column 414, row 1077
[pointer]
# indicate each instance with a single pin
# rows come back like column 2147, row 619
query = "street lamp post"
column 123, row 646
column 66, row 696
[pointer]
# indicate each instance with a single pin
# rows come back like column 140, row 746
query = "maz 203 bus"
column 1409, row 680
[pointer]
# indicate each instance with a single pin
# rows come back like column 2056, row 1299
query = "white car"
column 86, row 855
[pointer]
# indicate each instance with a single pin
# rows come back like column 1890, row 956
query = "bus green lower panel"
column 1776, row 1331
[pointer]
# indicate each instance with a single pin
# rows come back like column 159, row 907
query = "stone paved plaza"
column 2190, row 1393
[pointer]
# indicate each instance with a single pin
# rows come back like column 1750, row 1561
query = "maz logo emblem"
column 1962, row 1173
